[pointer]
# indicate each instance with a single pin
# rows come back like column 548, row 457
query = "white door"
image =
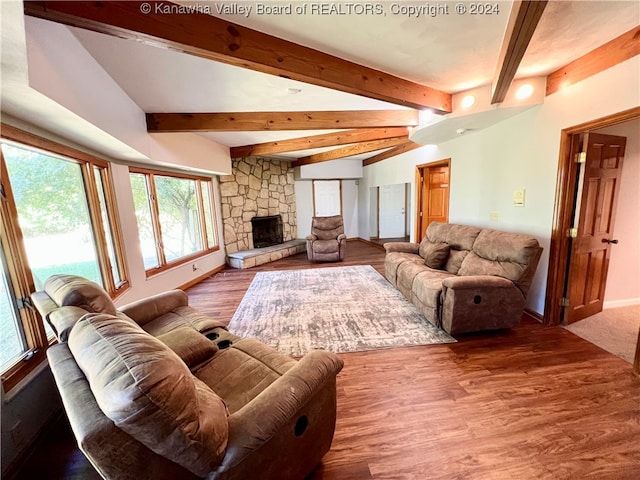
column 392, row 211
column 327, row 198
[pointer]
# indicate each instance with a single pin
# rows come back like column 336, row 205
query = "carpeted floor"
column 614, row 330
column 340, row 309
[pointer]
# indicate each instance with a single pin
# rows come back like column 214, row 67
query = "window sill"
column 15, row 390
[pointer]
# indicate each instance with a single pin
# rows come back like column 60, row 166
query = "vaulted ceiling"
column 325, row 80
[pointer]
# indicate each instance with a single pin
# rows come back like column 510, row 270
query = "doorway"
column 389, row 209
column 432, row 180
column 562, row 256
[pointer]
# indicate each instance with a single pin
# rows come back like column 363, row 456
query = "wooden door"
column 596, row 200
column 438, row 204
column 433, row 202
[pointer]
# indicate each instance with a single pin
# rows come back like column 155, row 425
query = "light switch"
column 494, row 216
column 518, row 198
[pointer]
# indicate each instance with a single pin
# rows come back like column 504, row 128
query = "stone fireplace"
column 267, row 231
column 257, row 187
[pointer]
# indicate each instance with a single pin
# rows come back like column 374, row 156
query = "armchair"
column 327, row 242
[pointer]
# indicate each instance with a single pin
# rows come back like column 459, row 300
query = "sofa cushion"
column 63, row 319
column 506, row 247
column 72, row 290
column 326, row 246
column 459, row 237
column 190, row 345
column 427, row 287
column 454, row 262
column 148, row 392
column 242, row 372
column 327, row 228
column 502, row 254
column 436, row 255
column 476, row 265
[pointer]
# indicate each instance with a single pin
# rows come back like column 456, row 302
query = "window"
column 327, row 198
column 175, row 217
column 58, row 216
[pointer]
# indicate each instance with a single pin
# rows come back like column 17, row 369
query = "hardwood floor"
column 534, row 402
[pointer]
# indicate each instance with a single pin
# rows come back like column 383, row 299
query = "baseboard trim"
column 373, row 244
column 197, row 280
column 533, row 314
column 621, row 303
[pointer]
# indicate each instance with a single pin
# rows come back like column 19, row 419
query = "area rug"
column 340, row 309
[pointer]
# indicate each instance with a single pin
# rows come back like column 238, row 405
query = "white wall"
column 521, row 152
column 62, row 69
column 349, row 171
column 333, row 169
column 304, row 207
column 623, row 280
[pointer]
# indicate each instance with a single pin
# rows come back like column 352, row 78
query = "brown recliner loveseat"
column 157, row 390
column 327, row 242
column 464, row 278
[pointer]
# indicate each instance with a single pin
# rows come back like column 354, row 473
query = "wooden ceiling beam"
column 318, row 141
column 616, row 51
column 350, row 150
column 392, row 152
column 268, row 121
column 162, row 25
column 523, row 21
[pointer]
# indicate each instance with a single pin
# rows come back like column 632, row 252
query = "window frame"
column 14, row 249
column 164, row 265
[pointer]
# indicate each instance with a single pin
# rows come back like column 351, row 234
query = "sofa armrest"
column 264, row 416
column 477, row 281
column 405, row 247
column 342, row 237
column 311, row 238
column 147, row 309
column 479, row 302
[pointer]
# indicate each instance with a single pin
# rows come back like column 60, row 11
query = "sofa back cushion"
column 327, row 228
column 75, row 291
column 147, row 391
column 460, row 239
column 504, row 254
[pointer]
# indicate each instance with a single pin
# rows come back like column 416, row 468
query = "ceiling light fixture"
column 525, row 91
column 467, row 102
column 293, row 91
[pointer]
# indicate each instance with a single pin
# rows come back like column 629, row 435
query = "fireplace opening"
column 267, row 231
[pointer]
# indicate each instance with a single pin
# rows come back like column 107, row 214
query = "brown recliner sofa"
column 157, row 390
column 327, row 242
column 464, row 278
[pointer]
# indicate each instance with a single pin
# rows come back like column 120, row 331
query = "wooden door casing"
column 433, row 195
column 596, row 207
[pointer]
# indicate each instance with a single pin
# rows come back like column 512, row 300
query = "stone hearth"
column 257, row 187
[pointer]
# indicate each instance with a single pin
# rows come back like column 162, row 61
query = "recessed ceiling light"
column 524, row 91
column 293, row 91
column 468, row 101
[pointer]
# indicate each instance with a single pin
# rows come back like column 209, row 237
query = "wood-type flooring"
column 534, row 402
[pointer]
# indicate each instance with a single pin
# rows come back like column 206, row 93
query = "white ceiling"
column 448, row 52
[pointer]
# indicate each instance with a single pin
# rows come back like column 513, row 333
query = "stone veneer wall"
column 257, row 186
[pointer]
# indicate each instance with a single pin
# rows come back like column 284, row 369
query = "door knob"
column 614, row 242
